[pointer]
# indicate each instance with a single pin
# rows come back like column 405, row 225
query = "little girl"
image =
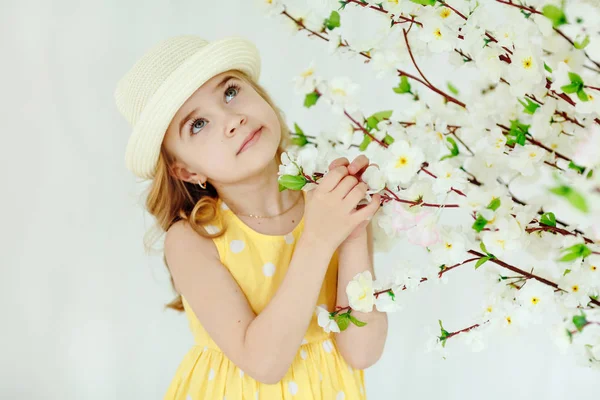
column 250, row 263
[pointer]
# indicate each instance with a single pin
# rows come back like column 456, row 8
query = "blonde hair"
column 170, row 199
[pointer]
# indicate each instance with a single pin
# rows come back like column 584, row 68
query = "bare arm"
column 265, row 345
column 361, row 347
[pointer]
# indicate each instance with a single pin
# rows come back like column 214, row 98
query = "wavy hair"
column 170, row 199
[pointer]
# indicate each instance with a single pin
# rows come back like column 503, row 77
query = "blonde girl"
column 249, row 263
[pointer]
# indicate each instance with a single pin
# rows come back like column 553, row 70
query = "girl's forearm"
column 273, row 338
column 360, row 346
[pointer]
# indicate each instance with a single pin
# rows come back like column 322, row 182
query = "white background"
column 82, row 314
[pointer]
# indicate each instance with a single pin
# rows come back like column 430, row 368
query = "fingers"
column 369, row 210
column 357, row 193
column 332, row 178
column 338, row 162
column 345, row 186
column 361, row 162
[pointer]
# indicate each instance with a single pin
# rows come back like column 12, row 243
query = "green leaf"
column 333, row 21
column 548, row 219
column 569, row 257
column 453, row 149
column 281, row 187
column 530, row 106
column 580, row 321
column 582, row 95
column 572, row 196
column 425, row 2
column 298, row 130
column 518, row 133
column 583, row 44
column 576, row 167
column 343, row 4
column 388, row 139
column 547, row 68
column 481, row 261
column 372, row 123
column 577, row 201
column 554, row 14
column 576, row 251
column 299, row 141
column 494, row 204
column 381, row 115
column 482, row 247
column 444, row 334
column 376, row 118
column 575, row 78
column 366, row 140
column 571, row 88
column 311, row 99
column 343, row 321
column 404, row 86
column 356, row 322
column 570, row 335
column 566, row 271
column 479, row 223
column 560, row 190
column 293, row 182
column 392, row 295
column 452, row 88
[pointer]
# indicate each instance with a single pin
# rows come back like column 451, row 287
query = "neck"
column 259, row 194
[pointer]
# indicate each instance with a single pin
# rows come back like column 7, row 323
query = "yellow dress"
column 258, row 263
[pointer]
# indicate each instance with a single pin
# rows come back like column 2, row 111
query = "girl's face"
column 208, row 130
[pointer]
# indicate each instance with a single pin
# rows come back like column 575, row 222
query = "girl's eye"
column 197, row 123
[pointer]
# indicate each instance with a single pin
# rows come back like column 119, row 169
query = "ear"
column 180, row 171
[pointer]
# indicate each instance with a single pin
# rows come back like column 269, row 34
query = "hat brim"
column 143, row 147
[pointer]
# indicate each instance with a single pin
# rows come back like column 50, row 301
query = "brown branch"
column 524, row 273
column 413, row 58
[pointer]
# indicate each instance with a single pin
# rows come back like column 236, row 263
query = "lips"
column 248, row 138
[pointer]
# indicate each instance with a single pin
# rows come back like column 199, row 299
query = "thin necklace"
column 272, row 216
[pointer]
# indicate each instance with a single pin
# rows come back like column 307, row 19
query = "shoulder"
column 183, row 243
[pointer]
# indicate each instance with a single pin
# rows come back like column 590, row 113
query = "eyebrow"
column 223, row 82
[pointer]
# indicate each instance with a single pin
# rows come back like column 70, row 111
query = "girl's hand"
column 331, row 212
column 358, row 166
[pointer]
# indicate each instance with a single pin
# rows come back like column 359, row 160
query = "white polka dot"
column 289, row 238
column 224, row 397
column 211, row 374
column 269, row 269
column 304, row 341
column 350, row 369
column 303, row 354
column 224, row 206
column 241, row 373
column 189, row 397
column 320, row 376
column 205, row 348
column 256, row 395
column 340, row 396
column 211, row 229
column 328, row 346
column 293, row 388
column 362, row 390
column 237, row 245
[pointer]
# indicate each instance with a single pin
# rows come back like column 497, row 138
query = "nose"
column 235, row 124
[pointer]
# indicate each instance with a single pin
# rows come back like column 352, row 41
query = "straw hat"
column 160, row 82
